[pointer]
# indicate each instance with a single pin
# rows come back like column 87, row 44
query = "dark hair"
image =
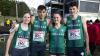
column 91, row 21
column 97, row 21
column 87, row 21
column 57, row 12
column 41, row 7
column 73, row 3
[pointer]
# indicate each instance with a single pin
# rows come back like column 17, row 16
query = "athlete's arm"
column 12, row 32
column 86, row 35
column 8, row 43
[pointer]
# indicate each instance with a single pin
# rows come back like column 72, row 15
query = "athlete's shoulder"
column 36, row 18
column 63, row 27
column 15, row 28
column 83, row 19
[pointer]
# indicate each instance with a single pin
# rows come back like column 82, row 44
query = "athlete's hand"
column 87, row 51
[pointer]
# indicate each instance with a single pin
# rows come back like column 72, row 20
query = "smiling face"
column 57, row 18
column 73, row 10
column 26, row 18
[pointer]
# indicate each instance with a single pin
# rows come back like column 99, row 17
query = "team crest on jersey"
column 62, row 30
column 78, row 20
column 44, row 22
column 20, row 32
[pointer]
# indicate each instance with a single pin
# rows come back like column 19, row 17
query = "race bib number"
column 38, row 36
column 22, row 43
column 74, row 34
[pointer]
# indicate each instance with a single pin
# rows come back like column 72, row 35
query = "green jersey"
column 75, row 34
column 56, row 38
column 39, row 29
column 21, row 38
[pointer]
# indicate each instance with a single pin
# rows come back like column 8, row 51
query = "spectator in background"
column 97, row 26
column 92, row 36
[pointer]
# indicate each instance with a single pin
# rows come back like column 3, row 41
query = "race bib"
column 38, row 36
column 22, row 43
column 74, row 34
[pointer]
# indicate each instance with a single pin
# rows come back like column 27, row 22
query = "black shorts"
column 76, row 51
column 20, row 52
column 56, row 53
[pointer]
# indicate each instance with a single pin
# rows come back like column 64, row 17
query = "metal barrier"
column 3, row 40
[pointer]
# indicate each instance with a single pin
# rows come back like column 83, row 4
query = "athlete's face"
column 57, row 18
column 26, row 18
column 73, row 10
column 42, row 13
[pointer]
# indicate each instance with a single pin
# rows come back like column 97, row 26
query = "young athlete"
column 19, row 38
column 56, row 36
column 76, row 32
column 39, row 30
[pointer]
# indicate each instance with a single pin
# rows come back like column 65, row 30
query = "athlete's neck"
column 57, row 25
column 24, row 24
column 74, row 16
column 41, row 19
